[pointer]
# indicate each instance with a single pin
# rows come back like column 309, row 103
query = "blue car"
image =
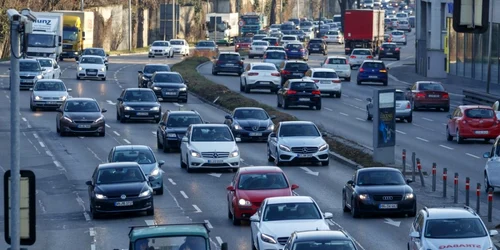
column 296, row 50
column 373, row 71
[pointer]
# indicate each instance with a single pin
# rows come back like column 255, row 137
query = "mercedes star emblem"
column 304, row 150
column 216, row 155
column 255, row 128
column 123, row 197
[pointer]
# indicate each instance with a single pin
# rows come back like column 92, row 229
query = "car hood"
column 159, row 47
column 30, row 73
column 220, row 146
column 253, row 123
column 147, row 168
column 285, row 228
column 297, row 141
column 257, row 196
column 83, row 115
column 117, row 189
column 91, row 66
column 176, row 130
column 482, row 243
column 169, row 85
column 141, row 104
column 382, row 190
column 57, row 94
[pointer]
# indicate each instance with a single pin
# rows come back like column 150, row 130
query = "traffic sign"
column 241, row 23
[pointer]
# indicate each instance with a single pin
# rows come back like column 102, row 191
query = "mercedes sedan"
column 250, row 123
column 80, row 116
column 138, row 104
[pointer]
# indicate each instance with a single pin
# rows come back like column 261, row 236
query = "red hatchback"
column 250, row 186
column 472, row 122
column 427, row 94
column 242, row 43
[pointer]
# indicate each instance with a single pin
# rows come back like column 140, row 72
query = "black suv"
column 298, row 92
column 389, row 50
column 317, row 46
column 147, row 72
column 228, row 62
column 293, row 70
column 173, row 127
column 169, row 86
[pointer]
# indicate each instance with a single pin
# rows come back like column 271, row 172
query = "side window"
column 248, row 68
column 414, row 87
column 188, row 133
column 494, row 152
column 94, row 175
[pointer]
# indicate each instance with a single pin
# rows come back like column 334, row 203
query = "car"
column 403, row 107
column 287, row 39
column 263, row 32
column 382, row 190
column 250, row 123
column 301, row 35
column 260, row 76
column 30, row 71
column 340, row 64
column 250, row 186
column 389, row 50
column 80, row 116
column 160, row 48
column 276, row 34
column 138, row 104
column 450, row 228
column 169, row 86
column 299, row 92
column 207, row 46
column 293, row 70
column 258, row 37
column 373, row 71
column 180, row 46
column 276, row 57
column 144, row 75
column 97, row 52
column 242, row 43
column 387, row 38
column 286, row 26
column 334, row 36
column 145, row 157
column 272, row 41
column 278, row 217
column 472, row 122
column 320, row 239
column 428, row 94
column 388, row 23
column 308, row 31
column 358, row 56
column 52, row 69
column 492, row 169
column 274, row 27
column 402, row 16
column 327, row 81
column 91, row 67
column 228, row 62
column 404, row 25
column 281, row 48
column 48, row 93
column 398, row 36
column 317, row 45
column 394, row 22
column 119, row 187
column 297, row 142
column 257, row 49
column 173, row 126
column 210, row 146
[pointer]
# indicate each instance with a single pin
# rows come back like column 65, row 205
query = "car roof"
column 91, row 56
column 131, row 147
column 429, row 82
column 44, row 58
column 270, row 37
column 248, row 108
column 262, row 64
column 138, row 89
column 378, row 169
column 389, row 43
column 321, row 235
column 289, row 199
column 159, row 231
column 290, row 35
column 50, row 80
column 156, row 64
column 296, row 122
column 465, row 107
column 81, row 99
column 275, row 50
column 118, row 164
column 450, row 212
column 322, row 70
column 182, row 112
column 295, row 61
column 260, row 169
column 177, row 40
column 339, row 57
column 93, row 48
column 28, row 60
column 300, row 80
column 160, row 41
column 229, row 53
column 211, row 125
column 167, row 72
column 360, row 49
column 373, row 61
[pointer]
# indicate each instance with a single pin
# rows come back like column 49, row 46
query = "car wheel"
column 348, row 79
column 241, row 86
column 358, row 82
column 32, row 107
column 102, row 134
column 246, row 87
column 188, row 169
column 229, row 214
column 253, row 242
column 486, row 183
column 285, row 104
column 160, row 190
column 269, row 156
column 103, row 79
column 158, row 144
column 459, row 139
column 409, row 119
column 344, row 203
column 214, row 72
column 95, row 215
column 57, row 128
column 117, row 116
column 236, row 221
column 183, row 165
column 415, row 108
column 384, row 83
column 78, row 78
column 398, row 58
column 318, row 106
column 61, row 131
column 325, row 163
column 448, row 136
column 354, row 211
column 151, row 211
column 123, row 119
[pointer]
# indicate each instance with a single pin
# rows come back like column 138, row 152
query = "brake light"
column 253, row 74
column 265, row 56
column 237, row 45
column 316, row 80
column 277, row 44
column 420, row 95
column 291, row 92
column 369, row 57
column 383, row 71
column 408, row 106
column 301, row 50
column 352, row 57
column 316, row 92
column 361, row 69
column 275, row 74
column 336, row 81
column 285, row 72
column 397, row 49
column 445, row 96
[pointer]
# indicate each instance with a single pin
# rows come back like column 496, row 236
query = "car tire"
column 183, row 165
column 318, row 106
column 325, row 163
column 123, row 119
column 229, row 214
column 354, row 211
column 413, row 212
column 150, row 211
column 103, row 79
column 398, row 58
column 32, row 107
column 188, row 169
column 247, row 88
column 409, row 119
column 158, row 144
column 269, row 156
column 61, row 131
column 358, row 82
column 344, row 203
column 404, row 43
column 277, row 160
column 339, row 95
column 348, row 79
column 459, row 139
column 487, row 186
column 95, row 215
column 241, row 86
column 160, row 190
column 368, row 116
column 250, row 56
column 117, row 116
column 385, row 83
column 448, row 136
column 214, row 72
column 278, row 103
column 102, row 134
column 152, row 56
column 235, row 220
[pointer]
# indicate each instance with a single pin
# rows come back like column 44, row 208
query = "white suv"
column 449, row 228
column 209, row 146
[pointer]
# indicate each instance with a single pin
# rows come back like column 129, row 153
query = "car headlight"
column 235, row 153
column 155, row 172
column 103, row 69
column 150, row 50
column 145, row 193
column 182, row 89
column 237, row 127
column 409, row 196
column 195, row 154
column 129, row 108
column 285, row 148
column 145, row 78
column 243, row 202
column 63, row 98
column 363, row 197
column 323, row 147
column 270, row 127
column 100, row 196
column 171, row 135
column 156, row 88
column 67, row 119
column 100, row 119
column 155, row 109
column 37, row 98
column 267, row 238
column 39, row 77
column 80, row 68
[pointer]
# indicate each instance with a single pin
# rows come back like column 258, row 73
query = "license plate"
column 295, row 51
column 481, row 132
column 304, row 155
column 326, row 82
column 51, row 102
column 142, row 113
column 255, row 134
column 389, row 53
column 215, row 161
column 170, row 93
column 26, row 81
column 124, row 203
column 372, row 76
column 434, row 96
column 297, row 74
column 304, row 99
column 388, row 206
column 229, row 64
column 260, row 48
column 265, row 83
column 83, row 126
column 316, row 49
column 92, row 73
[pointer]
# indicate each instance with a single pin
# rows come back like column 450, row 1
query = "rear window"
column 274, row 26
column 397, row 33
column 401, row 15
column 373, row 65
column 430, row 86
column 399, row 96
column 275, row 55
column 316, row 41
column 479, row 113
column 287, row 27
column 297, row 66
column 387, row 20
column 304, row 24
column 260, row 43
column 388, row 45
column 303, row 85
column 289, row 38
column 294, row 46
column 244, row 40
column 324, row 75
column 263, row 67
column 229, row 57
column 337, row 61
column 403, row 22
column 333, row 33
column 394, row 19
column 361, row 52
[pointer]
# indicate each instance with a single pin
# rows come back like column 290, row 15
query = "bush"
column 207, row 54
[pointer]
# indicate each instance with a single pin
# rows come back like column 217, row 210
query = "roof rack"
column 177, row 224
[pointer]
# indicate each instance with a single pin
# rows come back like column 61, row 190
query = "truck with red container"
column 363, row 28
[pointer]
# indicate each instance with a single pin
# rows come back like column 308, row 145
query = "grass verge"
column 126, row 51
column 228, row 99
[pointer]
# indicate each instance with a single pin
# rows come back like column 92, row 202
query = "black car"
column 145, row 74
column 228, row 62
column 173, row 127
column 293, row 70
column 274, row 41
column 389, row 50
column 250, row 123
column 169, row 86
column 320, row 239
column 378, row 190
column 138, row 104
column 301, row 35
column 80, row 116
column 298, row 92
column 317, row 45
column 120, row 187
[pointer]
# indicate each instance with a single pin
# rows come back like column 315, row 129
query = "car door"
column 417, row 226
column 349, row 189
column 231, row 195
column 119, row 104
column 255, row 226
column 185, row 145
column 453, row 122
column 411, row 92
column 162, row 127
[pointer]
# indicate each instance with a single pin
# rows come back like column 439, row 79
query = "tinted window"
column 160, row 44
column 373, row 65
column 403, row 22
column 370, row 178
column 244, row 40
column 262, row 181
column 324, row 75
column 316, row 41
column 454, row 228
column 205, row 44
column 141, row 156
column 430, row 86
column 260, row 43
column 50, row 86
column 291, row 211
column 252, row 114
column 171, row 242
column 275, row 48
column 337, row 61
column 304, row 24
column 81, row 106
column 333, row 33
column 120, row 175
column 211, row 134
column 294, row 46
column 287, row 27
column 92, row 60
column 401, row 15
column 397, row 33
column 387, row 20
column 289, row 38
column 170, row 78
column 183, row 121
column 263, row 67
column 229, row 57
column 399, row 96
column 324, row 244
column 45, row 62
column 299, row 129
column 324, row 27
column 297, row 66
column 94, row 52
column 297, row 32
column 275, row 55
column 389, row 46
column 479, row 113
column 394, row 19
column 139, row 96
column 270, row 40
column 177, row 42
column 29, row 66
column 258, row 37
column 361, row 52
column 150, row 69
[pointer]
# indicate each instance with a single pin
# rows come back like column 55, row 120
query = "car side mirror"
column 369, row 99
column 151, row 178
column 486, row 155
column 243, row 59
column 119, row 99
column 228, row 117
column 44, row 69
column 323, row 134
column 415, row 235
column 448, row 116
column 88, row 183
column 237, row 139
column 294, row 186
column 161, row 163
column 230, row 188
column 162, row 124
column 254, row 218
column 70, row 90
column 223, row 246
column 328, row 215
column 493, row 232
column 273, row 117
column 107, row 54
column 58, row 109
column 387, row 68
column 31, row 89
column 350, row 182
column 185, row 139
column 408, row 181
column 140, row 72
column 272, row 134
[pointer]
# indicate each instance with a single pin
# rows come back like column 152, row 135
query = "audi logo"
column 387, row 198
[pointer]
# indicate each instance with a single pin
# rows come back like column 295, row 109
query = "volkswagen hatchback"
column 373, row 71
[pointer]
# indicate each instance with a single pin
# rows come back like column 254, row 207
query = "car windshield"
column 250, row 114
column 264, row 67
column 324, row 27
column 120, row 175
column 262, row 181
column 139, row 96
column 172, row 242
column 397, row 33
column 324, row 245
column 479, row 113
column 361, row 52
column 381, row 177
column 297, row 32
column 400, row 96
column 50, row 86
column 401, row 15
column 244, row 40
column 81, row 106
column 454, row 228
column 91, row 60
column 182, row 121
column 389, row 46
column 205, row 44
column 337, row 61
column 150, row 69
column 229, row 57
column 205, row 134
column 29, row 66
column 45, row 62
column 94, row 52
column 373, row 65
column 291, row 211
column 141, row 156
column 294, row 46
column 160, row 44
column 430, row 86
column 177, row 42
column 260, row 43
column 297, row 66
column 274, row 26
column 275, row 55
column 325, row 75
column 299, row 130
column 289, row 38
column 170, row 78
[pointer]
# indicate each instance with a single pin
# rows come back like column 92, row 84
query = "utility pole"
column 129, row 25
column 82, row 5
column 490, row 37
column 165, row 20
column 298, row 9
column 174, row 35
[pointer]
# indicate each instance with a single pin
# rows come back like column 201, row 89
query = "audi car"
column 92, row 67
column 228, row 62
column 169, row 86
column 299, row 92
column 250, row 123
column 144, row 75
column 80, row 116
column 138, row 104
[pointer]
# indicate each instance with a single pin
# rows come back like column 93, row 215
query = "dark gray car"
column 169, row 86
column 30, row 71
column 145, row 74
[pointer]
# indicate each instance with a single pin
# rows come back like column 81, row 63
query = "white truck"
column 222, row 27
column 45, row 40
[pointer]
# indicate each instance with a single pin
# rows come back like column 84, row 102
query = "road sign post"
column 384, row 126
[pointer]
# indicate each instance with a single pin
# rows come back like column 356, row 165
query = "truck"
column 252, row 23
column 78, row 32
column 171, row 236
column 363, row 28
column 222, row 27
column 44, row 36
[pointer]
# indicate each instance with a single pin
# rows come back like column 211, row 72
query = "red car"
column 242, row 43
column 472, row 122
column 427, row 94
column 250, row 186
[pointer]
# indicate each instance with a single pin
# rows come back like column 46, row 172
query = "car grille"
column 158, row 50
column 119, row 196
column 94, row 71
column 305, row 150
column 84, row 121
column 142, row 108
column 50, row 98
column 27, row 77
column 215, row 154
column 381, row 197
column 282, row 240
column 255, row 129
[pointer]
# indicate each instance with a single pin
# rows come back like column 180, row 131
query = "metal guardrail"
column 478, row 98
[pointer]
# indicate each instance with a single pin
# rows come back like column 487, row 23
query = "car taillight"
column 275, row 74
column 383, row 71
column 316, row 80
column 420, row 95
column 369, row 57
column 316, row 92
column 397, row 49
column 301, row 50
column 353, row 57
column 361, row 69
column 445, row 96
column 285, row 72
column 265, row 56
column 408, row 106
column 237, row 45
column 253, row 74
column 336, row 81
column 291, row 92
column 277, row 44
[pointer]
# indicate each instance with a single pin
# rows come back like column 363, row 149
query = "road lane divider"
column 184, row 195
column 422, row 139
column 360, row 119
column 357, row 99
column 344, row 114
column 329, row 109
column 401, row 132
column 107, row 126
column 116, row 133
column 171, row 181
column 443, row 146
column 427, row 119
column 473, row 156
column 95, row 155
column 197, row 209
column 219, row 240
column 127, row 141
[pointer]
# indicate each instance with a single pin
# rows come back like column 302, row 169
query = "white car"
column 404, row 25
column 260, row 76
column 278, row 217
column 394, row 22
column 180, row 46
column 297, row 141
column 450, row 228
column 358, row 56
column 257, row 48
column 97, row 52
column 48, row 93
column 309, row 32
column 52, row 69
column 92, row 67
column 334, row 36
column 209, row 146
column 286, row 39
column 402, row 16
column 160, row 48
column 327, row 81
column 274, row 28
column 398, row 36
column 340, row 64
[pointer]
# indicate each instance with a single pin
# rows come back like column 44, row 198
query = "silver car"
column 358, row 56
column 30, row 71
column 398, row 36
column 492, row 168
column 276, row 57
column 258, row 48
column 48, row 93
column 403, row 107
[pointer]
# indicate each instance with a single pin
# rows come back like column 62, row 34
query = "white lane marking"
column 422, row 139
column 49, row 153
column 172, row 181
column 198, row 210
column 154, row 132
column 329, row 109
column 242, row 160
column 127, row 141
column 443, row 146
column 341, row 228
column 150, row 222
column 92, row 246
column 209, row 225
column 110, row 102
column 95, row 155
column 357, row 99
column 41, row 144
column 8, row 97
column 81, row 137
column 427, row 119
column 58, row 165
column 107, row 126
column 345, row 95
column 24, row 119
column 344, row 114
column 29, row 126
column 92, row 232
column 116, row 133
column 401, row 132
column 82, row 204
column 219, row 240
column 42, row 206
column 471, row 155
column 35, row 135
column 184, row 195
column 360, row 119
